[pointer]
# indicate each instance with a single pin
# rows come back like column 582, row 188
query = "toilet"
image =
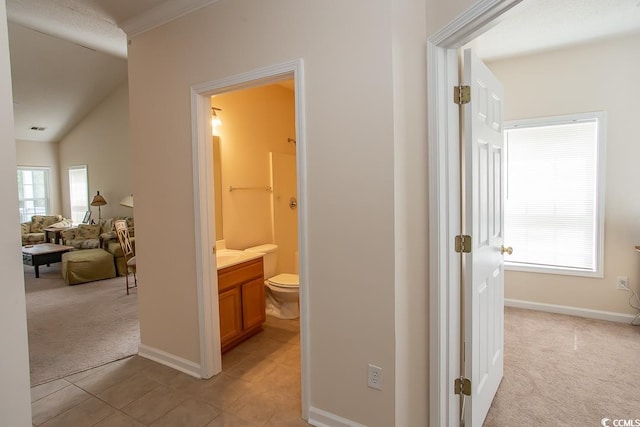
column 282, row 290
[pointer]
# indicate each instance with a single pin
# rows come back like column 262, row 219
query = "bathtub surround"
column 254, row 152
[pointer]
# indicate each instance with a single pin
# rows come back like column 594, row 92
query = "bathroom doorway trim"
column 444, row 202
column 203, row 192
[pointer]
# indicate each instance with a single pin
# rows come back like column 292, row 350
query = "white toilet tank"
column 270, row 258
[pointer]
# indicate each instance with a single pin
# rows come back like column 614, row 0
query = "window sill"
column 563, row 271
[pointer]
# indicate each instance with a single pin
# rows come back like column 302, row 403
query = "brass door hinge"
column 462, row 385
column 463, row 244
column 462, row 94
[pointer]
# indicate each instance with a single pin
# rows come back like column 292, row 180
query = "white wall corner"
column 163, row 13
column 170, row 360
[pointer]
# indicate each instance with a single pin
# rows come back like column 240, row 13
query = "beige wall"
column 346, row 47
column 43, row 154
column 581, row 79
column 256, row 121
column 15, row 398
column 101, row 141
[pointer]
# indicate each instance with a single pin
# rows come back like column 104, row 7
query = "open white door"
column 483, row 221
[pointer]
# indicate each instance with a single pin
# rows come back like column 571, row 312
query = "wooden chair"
column 127, row 250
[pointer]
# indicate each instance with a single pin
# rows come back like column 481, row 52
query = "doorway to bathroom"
column 249, row 191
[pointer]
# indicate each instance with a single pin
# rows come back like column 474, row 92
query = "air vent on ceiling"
column 38, row 128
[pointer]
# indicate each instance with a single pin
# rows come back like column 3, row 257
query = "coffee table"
column 43, row 254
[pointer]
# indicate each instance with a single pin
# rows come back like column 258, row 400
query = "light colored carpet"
column 566, row 371
column 74, row 328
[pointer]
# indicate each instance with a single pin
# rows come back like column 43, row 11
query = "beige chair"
column 127, row 249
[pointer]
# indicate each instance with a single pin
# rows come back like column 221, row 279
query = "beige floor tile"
column 286, row 420
column 154, row 404
column 137, row 363
column 290, row 358
column 254, row 406
column 283, row 379
column 87, row 414
column 104, row 378
column 189, row 413
column 259, row 385
column 232, row 358
column 42, row 390
column 119, row 420
column 252, row 344
column 269, row 349
column 125, row 392
column 230, row 420
column 252, row 369
column 74, row 378
column 160, row 373
column 189, row 385
column 224, row 391
column 57, row 403
column 283, row 335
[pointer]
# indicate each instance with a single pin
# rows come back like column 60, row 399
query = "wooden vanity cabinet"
column 241, row 302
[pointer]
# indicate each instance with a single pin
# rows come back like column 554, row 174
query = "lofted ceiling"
column 68, row 55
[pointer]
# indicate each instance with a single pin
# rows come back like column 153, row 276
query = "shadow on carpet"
column 75, row 328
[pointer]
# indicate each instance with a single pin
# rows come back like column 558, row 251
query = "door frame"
column 444, row 202
column 204, row 211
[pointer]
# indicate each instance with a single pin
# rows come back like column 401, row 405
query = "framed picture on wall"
column 87, row 217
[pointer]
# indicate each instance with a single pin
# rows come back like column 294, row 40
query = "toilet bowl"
column 281, row 290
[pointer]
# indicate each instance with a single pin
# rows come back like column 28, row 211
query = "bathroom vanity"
column 241, row 301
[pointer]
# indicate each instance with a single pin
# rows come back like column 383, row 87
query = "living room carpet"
column 74, row 328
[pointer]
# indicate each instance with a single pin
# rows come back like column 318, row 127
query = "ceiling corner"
column 161, row 14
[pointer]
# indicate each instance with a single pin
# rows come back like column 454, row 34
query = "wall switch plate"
column 622, row 283
column 374, row 377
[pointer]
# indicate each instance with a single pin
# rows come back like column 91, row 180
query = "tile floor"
column 259, row 386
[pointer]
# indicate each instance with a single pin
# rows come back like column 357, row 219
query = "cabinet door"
column 253, row 303
column 230, row 315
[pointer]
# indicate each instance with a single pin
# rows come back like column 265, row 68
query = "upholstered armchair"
column 33, row 231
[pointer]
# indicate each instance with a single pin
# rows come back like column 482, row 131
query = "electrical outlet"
column 622, row 283
column 374, row 377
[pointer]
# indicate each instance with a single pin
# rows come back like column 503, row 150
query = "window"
column 554, row 207
column 78, row 192
column 33, row 192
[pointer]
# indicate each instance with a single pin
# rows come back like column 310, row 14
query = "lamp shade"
column 98, row 200
column 127, row 201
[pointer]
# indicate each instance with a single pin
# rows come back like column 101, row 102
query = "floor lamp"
column 98, row 201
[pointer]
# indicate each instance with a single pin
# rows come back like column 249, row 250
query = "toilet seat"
column 285, row 280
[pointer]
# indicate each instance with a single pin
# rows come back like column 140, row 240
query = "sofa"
column 99, row 236
column 33, row 231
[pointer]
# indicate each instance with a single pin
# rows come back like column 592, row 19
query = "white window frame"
column 47, row 190
column 601, row 120
column 86, row 169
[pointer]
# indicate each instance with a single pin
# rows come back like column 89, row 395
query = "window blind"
column 551, row 195
column 78, row 192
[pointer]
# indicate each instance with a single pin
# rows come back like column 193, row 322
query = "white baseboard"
column 571, row 311
column 320, row 418
column 170, row 360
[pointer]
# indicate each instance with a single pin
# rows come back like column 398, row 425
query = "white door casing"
column 483, row 214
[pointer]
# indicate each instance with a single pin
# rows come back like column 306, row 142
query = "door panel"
column 483, row 220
